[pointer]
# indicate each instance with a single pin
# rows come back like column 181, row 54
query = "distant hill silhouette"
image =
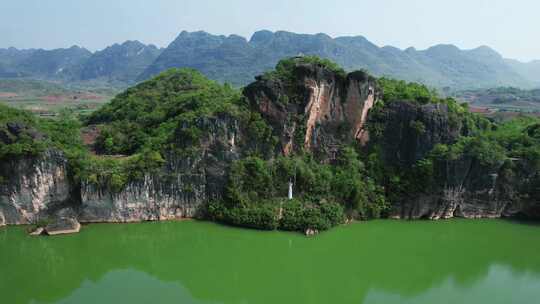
column 236, row 60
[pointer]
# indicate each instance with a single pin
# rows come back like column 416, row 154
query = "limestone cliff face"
column 323, row 111
column 31, row 186
column 467, row 191
column 474, row 191
column 183, row 185
column 465, row 187
column 152, row 199
column 318, row 111
column 410, row 131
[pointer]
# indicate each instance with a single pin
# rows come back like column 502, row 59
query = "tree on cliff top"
column 285, row 68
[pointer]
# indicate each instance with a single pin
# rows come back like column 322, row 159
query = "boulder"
column 32, row 185
column 311, row 232
column 38, row 231
column 65, row 222
column 63, row 226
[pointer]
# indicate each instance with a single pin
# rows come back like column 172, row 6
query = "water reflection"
column 130, row 286
column 493, row 289
column 193, row 262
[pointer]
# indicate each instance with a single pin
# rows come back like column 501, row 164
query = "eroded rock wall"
column 150, row 200
column 318, row 112
column 410, row 131
column 31, row 186
column 465, row 187
column 179, row 190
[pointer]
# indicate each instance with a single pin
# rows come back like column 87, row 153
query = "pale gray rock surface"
column 63, row 226
column 32, row 185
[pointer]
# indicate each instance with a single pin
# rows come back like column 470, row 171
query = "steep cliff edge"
column 34, row 177
column 33, row 186
column 442, row 165
column 314, row 109
column 342, row 146
column 178, row 190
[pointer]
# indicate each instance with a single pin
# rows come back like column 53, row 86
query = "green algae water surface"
column 386, row 262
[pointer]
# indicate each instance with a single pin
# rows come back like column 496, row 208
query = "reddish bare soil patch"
column 479, row 110
column 508, row 115
column 89, row 135
column 88, row 96
column 54, row 98
column 7, row 95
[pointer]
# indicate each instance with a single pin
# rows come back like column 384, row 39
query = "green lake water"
column 458, row 261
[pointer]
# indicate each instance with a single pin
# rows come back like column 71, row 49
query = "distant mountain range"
column 236, row 60
column 119, row 64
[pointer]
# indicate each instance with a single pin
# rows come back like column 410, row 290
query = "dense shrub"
column 296, row 215
column 285, row 68
column 25, row 141
column 402, row 90
column 260, row 216
column 299, row 216
column 254, row 182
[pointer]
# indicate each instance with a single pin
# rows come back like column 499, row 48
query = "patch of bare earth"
column 54, row 98
column 8, row 95
column 89, row 136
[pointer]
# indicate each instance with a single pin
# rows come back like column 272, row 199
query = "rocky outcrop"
column 152, row 199
column 35, row 189
column 316, row 112
column 38, row 231
column 33, row 185
column 482, row 193
column 409, row 131
column 66, row 225
column 64, row 221
column 311, row 232
column 464, row 187
column 178, row 191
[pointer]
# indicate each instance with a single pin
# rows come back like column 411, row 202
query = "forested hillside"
column 348, row 146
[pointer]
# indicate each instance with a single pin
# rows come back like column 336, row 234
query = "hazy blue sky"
column 510, row 27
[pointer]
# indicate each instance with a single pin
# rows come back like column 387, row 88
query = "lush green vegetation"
column 178, row 112
column 155, row 113
column 163, row 115
column 286, row 67
column 24, row 134
column 324, row 194
column 486, row 143
column 18, row 133
column 168, row 114
column 36, row 135
column 513, row 146
column 401, row 90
